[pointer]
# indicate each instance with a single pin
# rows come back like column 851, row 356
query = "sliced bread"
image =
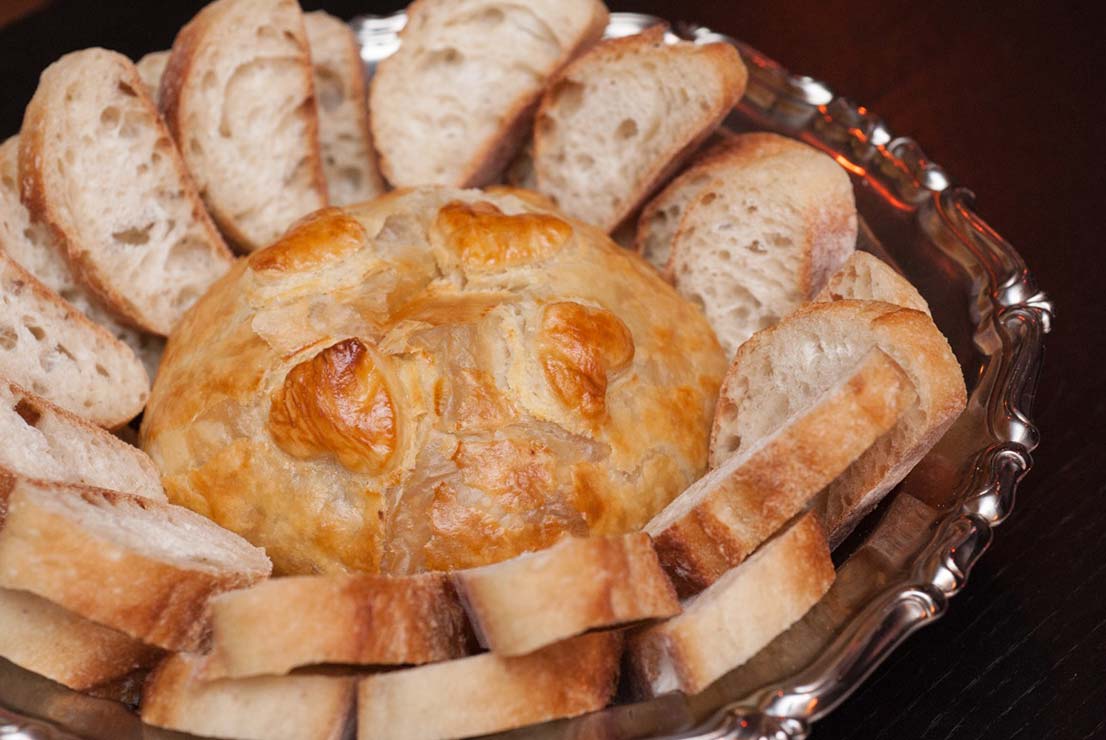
column 31, row 245
column 659, row 219
column 763, row 236
column 865, row 277
column 624, row 116
column 724, row 516
column 239, row 96
column 51, row 348
column 349, row 160
column 177, row 697
column 454, row 104
column 142, row 567
column 519, row 605
column 781, row 369
column 490, row 693
column 150, row 69
column 45, row 442
column 362, row 619
column 52, row 642
column 739, row 614
column 98, row 167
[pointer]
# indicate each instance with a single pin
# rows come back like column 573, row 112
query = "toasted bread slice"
column 624, row 116
column 51, row 348
column 239, row 96
column 32, row 246
column 490, row 693
column 349, row 159
column 454, row 104
column 98, row 166
column 178, row 697
column 45, row 442
column 865, row 277
column 142, row 567
column 363, row 619
column 762, row 237
column 52, row 642
column 660, row 217
column 781, row 369
column 519, row 605
column 150, row 68
column 738, row 615
column 724, row 516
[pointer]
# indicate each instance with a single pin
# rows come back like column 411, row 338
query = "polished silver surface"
column 898, row 572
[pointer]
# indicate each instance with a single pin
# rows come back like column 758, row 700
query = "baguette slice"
column 349, row 159
column 31, row 245
column 454, row 104
column 98, row 166
column 52, row 642
column 724, row 516
column 150, row 68
column 738, row 615
column 865, row 277
column 53, row 349
column 782, row 368
column 45, row 442
column 178, row 697
column 519, row 605
column 763, row 236
column 362, row 619
column 624, row 116
column 141, row 567
column 239, row 96
column 490, row 693
column 659, row 219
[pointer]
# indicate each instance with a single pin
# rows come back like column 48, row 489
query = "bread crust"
column 750, row 496
column 43, row 202
column 737, row 616
column 105, row 578
column 360, row 619
column 181, row 68
column 489, row 693
column 883, row 284
column 726, row 61
column 534, row 600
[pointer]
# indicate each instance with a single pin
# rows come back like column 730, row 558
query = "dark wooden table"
column 1008, row 96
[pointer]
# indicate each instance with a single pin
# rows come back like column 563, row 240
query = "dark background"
column 1008, row 97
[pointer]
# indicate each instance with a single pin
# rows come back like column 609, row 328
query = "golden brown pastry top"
column 435, row 380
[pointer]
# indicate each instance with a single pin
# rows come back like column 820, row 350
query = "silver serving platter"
column 898, row 572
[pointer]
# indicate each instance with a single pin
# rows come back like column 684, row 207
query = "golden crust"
column 491, row 453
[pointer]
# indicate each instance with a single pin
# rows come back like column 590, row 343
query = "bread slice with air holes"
column 865, row 277
column 724, row 516
column 150, row 68
column 453, row 105
column 239, row 96
column 490, row 693
column 98, row 166
column 660, row 217
column 624, row 116
column 739, row 614
column 781, row 369
column 362, row 619
column 52, row 642
column 51, row 348
column 31, row 245
column 345, row 139
column 775, row 221
column 45, row 442
column 302, row 707
column 142, row 567
column 520, row 605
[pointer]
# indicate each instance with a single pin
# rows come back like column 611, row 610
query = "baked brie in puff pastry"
column 435, row 380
